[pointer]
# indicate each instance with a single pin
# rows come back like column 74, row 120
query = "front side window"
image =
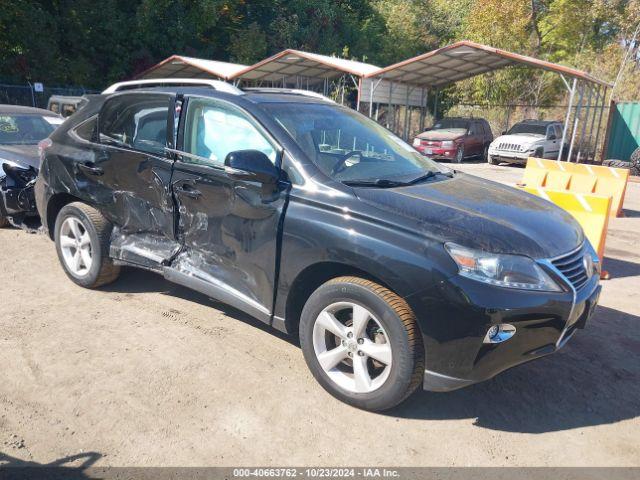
column 349, row 147
column 24, row 129
column 558, row 129
column 214, row 129
column 137, row 121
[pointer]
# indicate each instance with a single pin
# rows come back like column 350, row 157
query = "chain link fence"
column 28, row 96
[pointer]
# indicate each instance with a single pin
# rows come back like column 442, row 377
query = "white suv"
column 529, row 138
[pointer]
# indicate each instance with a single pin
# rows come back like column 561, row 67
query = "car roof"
column 22, row 110
column 542, row 123
column 466, row 119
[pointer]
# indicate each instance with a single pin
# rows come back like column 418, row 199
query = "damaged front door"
column 228, row 225
column 133, row 164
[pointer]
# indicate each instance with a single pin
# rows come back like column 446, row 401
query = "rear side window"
column 136, row 121
column 88, row 130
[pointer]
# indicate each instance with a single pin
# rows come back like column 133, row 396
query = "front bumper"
column 460, row 311
column 18, row 200
column 509, row 157
column 437, row 153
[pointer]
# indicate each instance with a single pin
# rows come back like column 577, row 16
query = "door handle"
column 90, row 169
column 188, row 190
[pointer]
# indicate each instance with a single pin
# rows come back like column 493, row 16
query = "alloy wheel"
column 352, row 347
column 75, row 244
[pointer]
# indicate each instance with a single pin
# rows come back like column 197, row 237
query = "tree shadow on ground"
column 135, row 280
column 72, row 467
column 593, row 380
column 620, row 268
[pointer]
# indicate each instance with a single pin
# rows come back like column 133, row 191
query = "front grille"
column 512, row 147
column 572, row 267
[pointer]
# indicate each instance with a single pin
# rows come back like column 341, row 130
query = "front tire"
column 361, row 343
column 459, row 158
column 82, row 236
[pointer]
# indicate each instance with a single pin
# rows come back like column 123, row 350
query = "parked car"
column 65, row 105
column 393, row 270
column 21, row 128
column 529, row 138
column 455, row 139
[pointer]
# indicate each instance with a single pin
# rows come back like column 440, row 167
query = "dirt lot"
column 147, row 373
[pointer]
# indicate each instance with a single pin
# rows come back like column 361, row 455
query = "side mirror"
column 504, row 132
column 551, row 137
column 251, row 165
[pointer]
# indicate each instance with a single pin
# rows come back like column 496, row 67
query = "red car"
column 455, row 139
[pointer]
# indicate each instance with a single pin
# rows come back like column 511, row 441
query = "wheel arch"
column 309, row 279
column 56, row 203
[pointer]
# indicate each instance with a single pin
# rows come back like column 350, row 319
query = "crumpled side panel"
column 144, row 249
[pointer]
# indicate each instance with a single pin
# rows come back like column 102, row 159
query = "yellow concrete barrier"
column 579, row 178
column 591, row 211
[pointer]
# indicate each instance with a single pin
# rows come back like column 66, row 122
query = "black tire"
column 398, row 321
column 539, row 153
column 4, row 221
column 635, row 162
column 485, row 154
column 102, row 270
column 492, row 160
column 459, row 158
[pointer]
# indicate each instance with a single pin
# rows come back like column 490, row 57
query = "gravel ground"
column 143, row 373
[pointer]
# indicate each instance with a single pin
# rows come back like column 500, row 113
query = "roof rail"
column 218, row 85
column 295, row 91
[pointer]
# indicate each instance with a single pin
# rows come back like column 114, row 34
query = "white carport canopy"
column 463, row 60
column 179, row 66
column 407, row 82
column 314, row 68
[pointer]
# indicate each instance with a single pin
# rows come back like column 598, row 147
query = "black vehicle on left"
column 21, row 130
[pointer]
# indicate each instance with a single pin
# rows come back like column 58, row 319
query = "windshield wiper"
column 386, row 183
column 380, row 182
column 428, row 175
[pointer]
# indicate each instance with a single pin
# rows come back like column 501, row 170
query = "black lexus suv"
column 394, row 271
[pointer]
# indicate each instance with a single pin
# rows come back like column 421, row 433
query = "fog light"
column 499, row 333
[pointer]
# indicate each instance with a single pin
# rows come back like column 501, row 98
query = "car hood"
column 22, row 155
column 444, row 134
column 479, row 214
column 519, row 139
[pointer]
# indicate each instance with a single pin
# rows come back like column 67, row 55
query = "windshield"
column 447, row 123
column 25, row 129
column 528, row 128
column 347, row 146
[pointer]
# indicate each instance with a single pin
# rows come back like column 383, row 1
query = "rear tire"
column 376, row 358
column 82, row 236
column 459, row 158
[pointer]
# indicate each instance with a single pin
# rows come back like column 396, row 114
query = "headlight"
column 592, row 263
column 509, row 271
column 448, row 144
